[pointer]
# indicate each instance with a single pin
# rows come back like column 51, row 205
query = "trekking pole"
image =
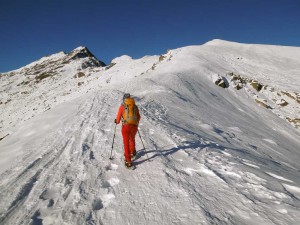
column 143, row 144
column 112, row 146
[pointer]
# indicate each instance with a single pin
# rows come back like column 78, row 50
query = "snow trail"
column 74, row 182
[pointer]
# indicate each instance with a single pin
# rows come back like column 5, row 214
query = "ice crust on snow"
column 279, row 177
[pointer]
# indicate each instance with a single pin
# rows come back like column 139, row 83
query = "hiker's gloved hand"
column 116, row 121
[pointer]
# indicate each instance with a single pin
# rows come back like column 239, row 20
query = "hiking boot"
column 128, row 164
column 133, row 154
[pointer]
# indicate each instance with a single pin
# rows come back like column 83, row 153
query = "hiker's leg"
column 133, row 131
column 126, row 136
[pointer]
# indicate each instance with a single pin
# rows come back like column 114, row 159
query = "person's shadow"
column 160, row 151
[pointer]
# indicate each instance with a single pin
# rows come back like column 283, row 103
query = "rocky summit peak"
column 80, row 48
column 83, row 52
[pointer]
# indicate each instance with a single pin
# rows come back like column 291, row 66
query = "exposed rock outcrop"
column 282, row 102
column 220, row 81
column 261, row 103
column 257, row 86
column 294, row 121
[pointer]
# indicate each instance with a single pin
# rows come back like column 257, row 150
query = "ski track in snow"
column 67, row 174
column 74, row 182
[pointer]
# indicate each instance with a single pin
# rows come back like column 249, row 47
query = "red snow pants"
column 128, row 133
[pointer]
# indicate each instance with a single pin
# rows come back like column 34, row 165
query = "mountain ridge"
column 216, row 146
column 80, row 66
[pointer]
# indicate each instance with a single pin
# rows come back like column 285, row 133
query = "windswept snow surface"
column 213, row 156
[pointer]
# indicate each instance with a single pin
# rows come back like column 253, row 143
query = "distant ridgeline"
column 37, row 87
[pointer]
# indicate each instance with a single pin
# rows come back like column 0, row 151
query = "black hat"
column 126, row 95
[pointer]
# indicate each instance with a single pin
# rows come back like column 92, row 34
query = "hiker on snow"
column 130, row 115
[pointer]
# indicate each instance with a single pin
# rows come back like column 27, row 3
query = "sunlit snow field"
column 212, row 155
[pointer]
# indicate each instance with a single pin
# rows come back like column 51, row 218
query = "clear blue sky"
column 31, row 29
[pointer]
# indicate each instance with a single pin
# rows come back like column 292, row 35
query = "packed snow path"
column 178, row 179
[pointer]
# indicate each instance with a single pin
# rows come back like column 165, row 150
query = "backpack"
column 130, row 115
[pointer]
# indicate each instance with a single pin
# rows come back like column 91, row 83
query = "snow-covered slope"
column 43, row 84
column 213, row 155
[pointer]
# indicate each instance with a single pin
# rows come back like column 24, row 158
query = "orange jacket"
column 121, row 111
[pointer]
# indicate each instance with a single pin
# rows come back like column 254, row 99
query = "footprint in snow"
column 50, row 193
column 51, row 203
column 97, row 204
column 111, row 167
column 100, row 203
column 106, row 199
column 110, row 183
column 113, row 181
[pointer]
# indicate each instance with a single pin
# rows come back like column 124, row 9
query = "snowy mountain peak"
column 58, row 59
column 43, row 79
column 123, row 58
column 79, row 48
column 84, row 53
column 220, row 42
column 81, row 52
